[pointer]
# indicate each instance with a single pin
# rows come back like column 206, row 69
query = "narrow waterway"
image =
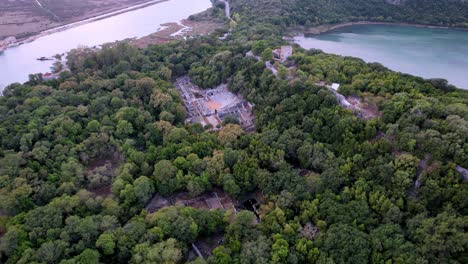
column 425, row 52
column 17, row 63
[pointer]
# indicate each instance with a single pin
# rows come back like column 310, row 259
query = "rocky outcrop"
column 463, row 172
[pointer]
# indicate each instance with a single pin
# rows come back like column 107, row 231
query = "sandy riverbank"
column 325, row 28
column 87, row 20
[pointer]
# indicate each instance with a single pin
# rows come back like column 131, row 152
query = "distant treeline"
column 317, row 12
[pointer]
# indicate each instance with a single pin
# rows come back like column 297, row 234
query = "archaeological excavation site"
column 210, row 107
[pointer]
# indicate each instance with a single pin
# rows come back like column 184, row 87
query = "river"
column 17, row 63
column 424, row 52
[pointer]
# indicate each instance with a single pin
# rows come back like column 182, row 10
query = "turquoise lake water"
column 17, row 63
column 424, row 52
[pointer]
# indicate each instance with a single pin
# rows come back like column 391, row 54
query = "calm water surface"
column 425, row 52
column 17, row 63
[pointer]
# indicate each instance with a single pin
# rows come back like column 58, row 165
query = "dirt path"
column 39, row 3
column 48, row 11
column 422, row 167
column 227, row 9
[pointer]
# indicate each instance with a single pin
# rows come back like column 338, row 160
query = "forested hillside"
column 82, row 156
column 317, row 12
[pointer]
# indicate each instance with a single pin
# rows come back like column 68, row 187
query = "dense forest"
column 317, row 12
column 81, row 156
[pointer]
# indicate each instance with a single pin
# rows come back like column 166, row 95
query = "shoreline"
column 170, row 31
column 174, row 31
column 329, row 27
column 296, row 35
column 85, row 21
